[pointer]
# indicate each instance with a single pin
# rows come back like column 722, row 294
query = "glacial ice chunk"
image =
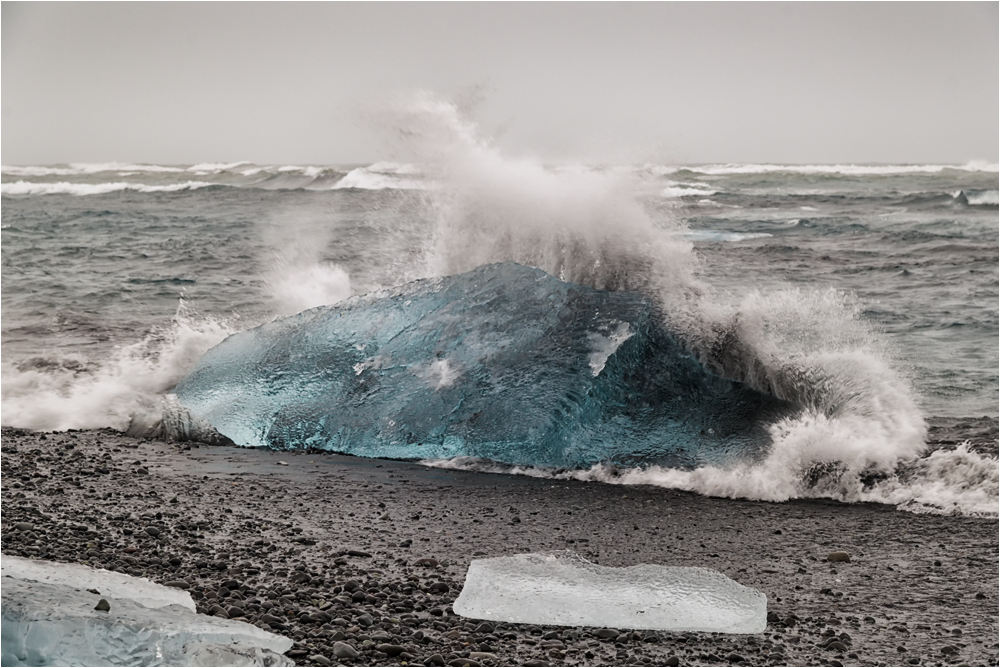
column 48, row 618
column 564, row 589
column 504, row 362
column 109, row 583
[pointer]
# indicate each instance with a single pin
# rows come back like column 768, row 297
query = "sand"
column 289, row 533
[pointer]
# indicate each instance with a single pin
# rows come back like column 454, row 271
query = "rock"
column 235, row 611
column 949, row 649
column 426, row 561
column 153, row 531
column 365, row 620
column 434, row 660
column 342, row 650
column 357, row 553
column 735, row 658
column 439, row 586
column 391, row 650
column 606, row 633
column 838, row 556
column 836, row 646
column 271, row 619
column 24, row 526
column 484, row 628
column 465, row 662
column 321, row 660
column 980, row 596
column 672, row 661
column 773, row 618
column 103, row 605
column 482, row 656
column 179, row 584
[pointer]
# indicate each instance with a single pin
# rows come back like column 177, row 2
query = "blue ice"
column 504, row 362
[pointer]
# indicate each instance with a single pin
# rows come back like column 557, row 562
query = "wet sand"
column 331, row 549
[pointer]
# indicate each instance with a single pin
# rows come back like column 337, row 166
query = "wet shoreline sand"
column 289, row 531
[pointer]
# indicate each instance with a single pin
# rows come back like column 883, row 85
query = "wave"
column 978, row 197
column 65, row 188
column 365, row 178
column 72, row 392
column 956, row 481
column 843, row 170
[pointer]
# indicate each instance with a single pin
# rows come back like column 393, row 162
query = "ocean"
column 866, row 293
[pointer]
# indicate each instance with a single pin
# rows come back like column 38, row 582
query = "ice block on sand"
column 564, row 589
column 49, row 619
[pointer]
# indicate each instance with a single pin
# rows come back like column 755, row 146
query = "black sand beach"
column 335, row 551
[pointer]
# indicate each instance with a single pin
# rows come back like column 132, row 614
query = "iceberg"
column 564, row 589
column 49, row 617
column 504, row 363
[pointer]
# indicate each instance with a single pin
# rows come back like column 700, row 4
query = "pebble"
column 435, row 660
column 838, row 556
column 466, row 662
column 179, row 584
column 391, row 650
column 24, row 526
column 949, row 649
column 321, row 660
column 606, row 633
column 103, row 605
column 343, row 650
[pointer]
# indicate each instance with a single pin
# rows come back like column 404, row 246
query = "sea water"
column 864, row 294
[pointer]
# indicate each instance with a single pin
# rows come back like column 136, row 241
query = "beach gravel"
column 359, row 561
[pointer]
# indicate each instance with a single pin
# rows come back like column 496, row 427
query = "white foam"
column 845, row 170
column 66, row 188
column 982, row 197
column 77, row 169
column 57, row 397
column 362, row 178
column 674, row 192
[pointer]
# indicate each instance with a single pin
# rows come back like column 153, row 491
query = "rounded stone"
column 838, row 556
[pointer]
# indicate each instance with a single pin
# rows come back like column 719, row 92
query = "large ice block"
column 564, row 589
column 504, row 362
column 53, row 622
column 109, row 583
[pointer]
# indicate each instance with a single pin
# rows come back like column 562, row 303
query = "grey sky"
column 667, row 82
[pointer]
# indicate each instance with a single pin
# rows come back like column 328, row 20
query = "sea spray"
column 73, row 392
column 812, row 348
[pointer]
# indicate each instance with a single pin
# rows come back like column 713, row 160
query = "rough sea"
column 880, row 281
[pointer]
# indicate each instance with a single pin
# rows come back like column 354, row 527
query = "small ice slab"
column 564, row 589
column 54, row 623
column 109, row 583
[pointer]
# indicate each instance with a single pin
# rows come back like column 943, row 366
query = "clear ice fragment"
column 109, row 583
column 564, row 589
column 51, row 621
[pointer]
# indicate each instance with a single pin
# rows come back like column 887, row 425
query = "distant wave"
column 64, row 188
column 845, row 170
column 365, row 178
column 978, row 197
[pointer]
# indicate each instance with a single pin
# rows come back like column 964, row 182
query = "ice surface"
column 109, row 583
column 504, row 362
column 52, row 621
column 562, row 588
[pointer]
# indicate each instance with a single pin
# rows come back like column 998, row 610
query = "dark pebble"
column 103, row 605
column 735, row 658
column 153, row 531
column 391, row 650
column 321, row 660
column 179, row 584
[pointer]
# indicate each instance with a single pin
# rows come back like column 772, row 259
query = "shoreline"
column 292, row 529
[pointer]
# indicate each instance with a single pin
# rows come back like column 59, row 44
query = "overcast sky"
column 667, row 82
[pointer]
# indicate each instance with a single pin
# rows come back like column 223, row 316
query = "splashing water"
column 74, row 393
column 858, row 416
